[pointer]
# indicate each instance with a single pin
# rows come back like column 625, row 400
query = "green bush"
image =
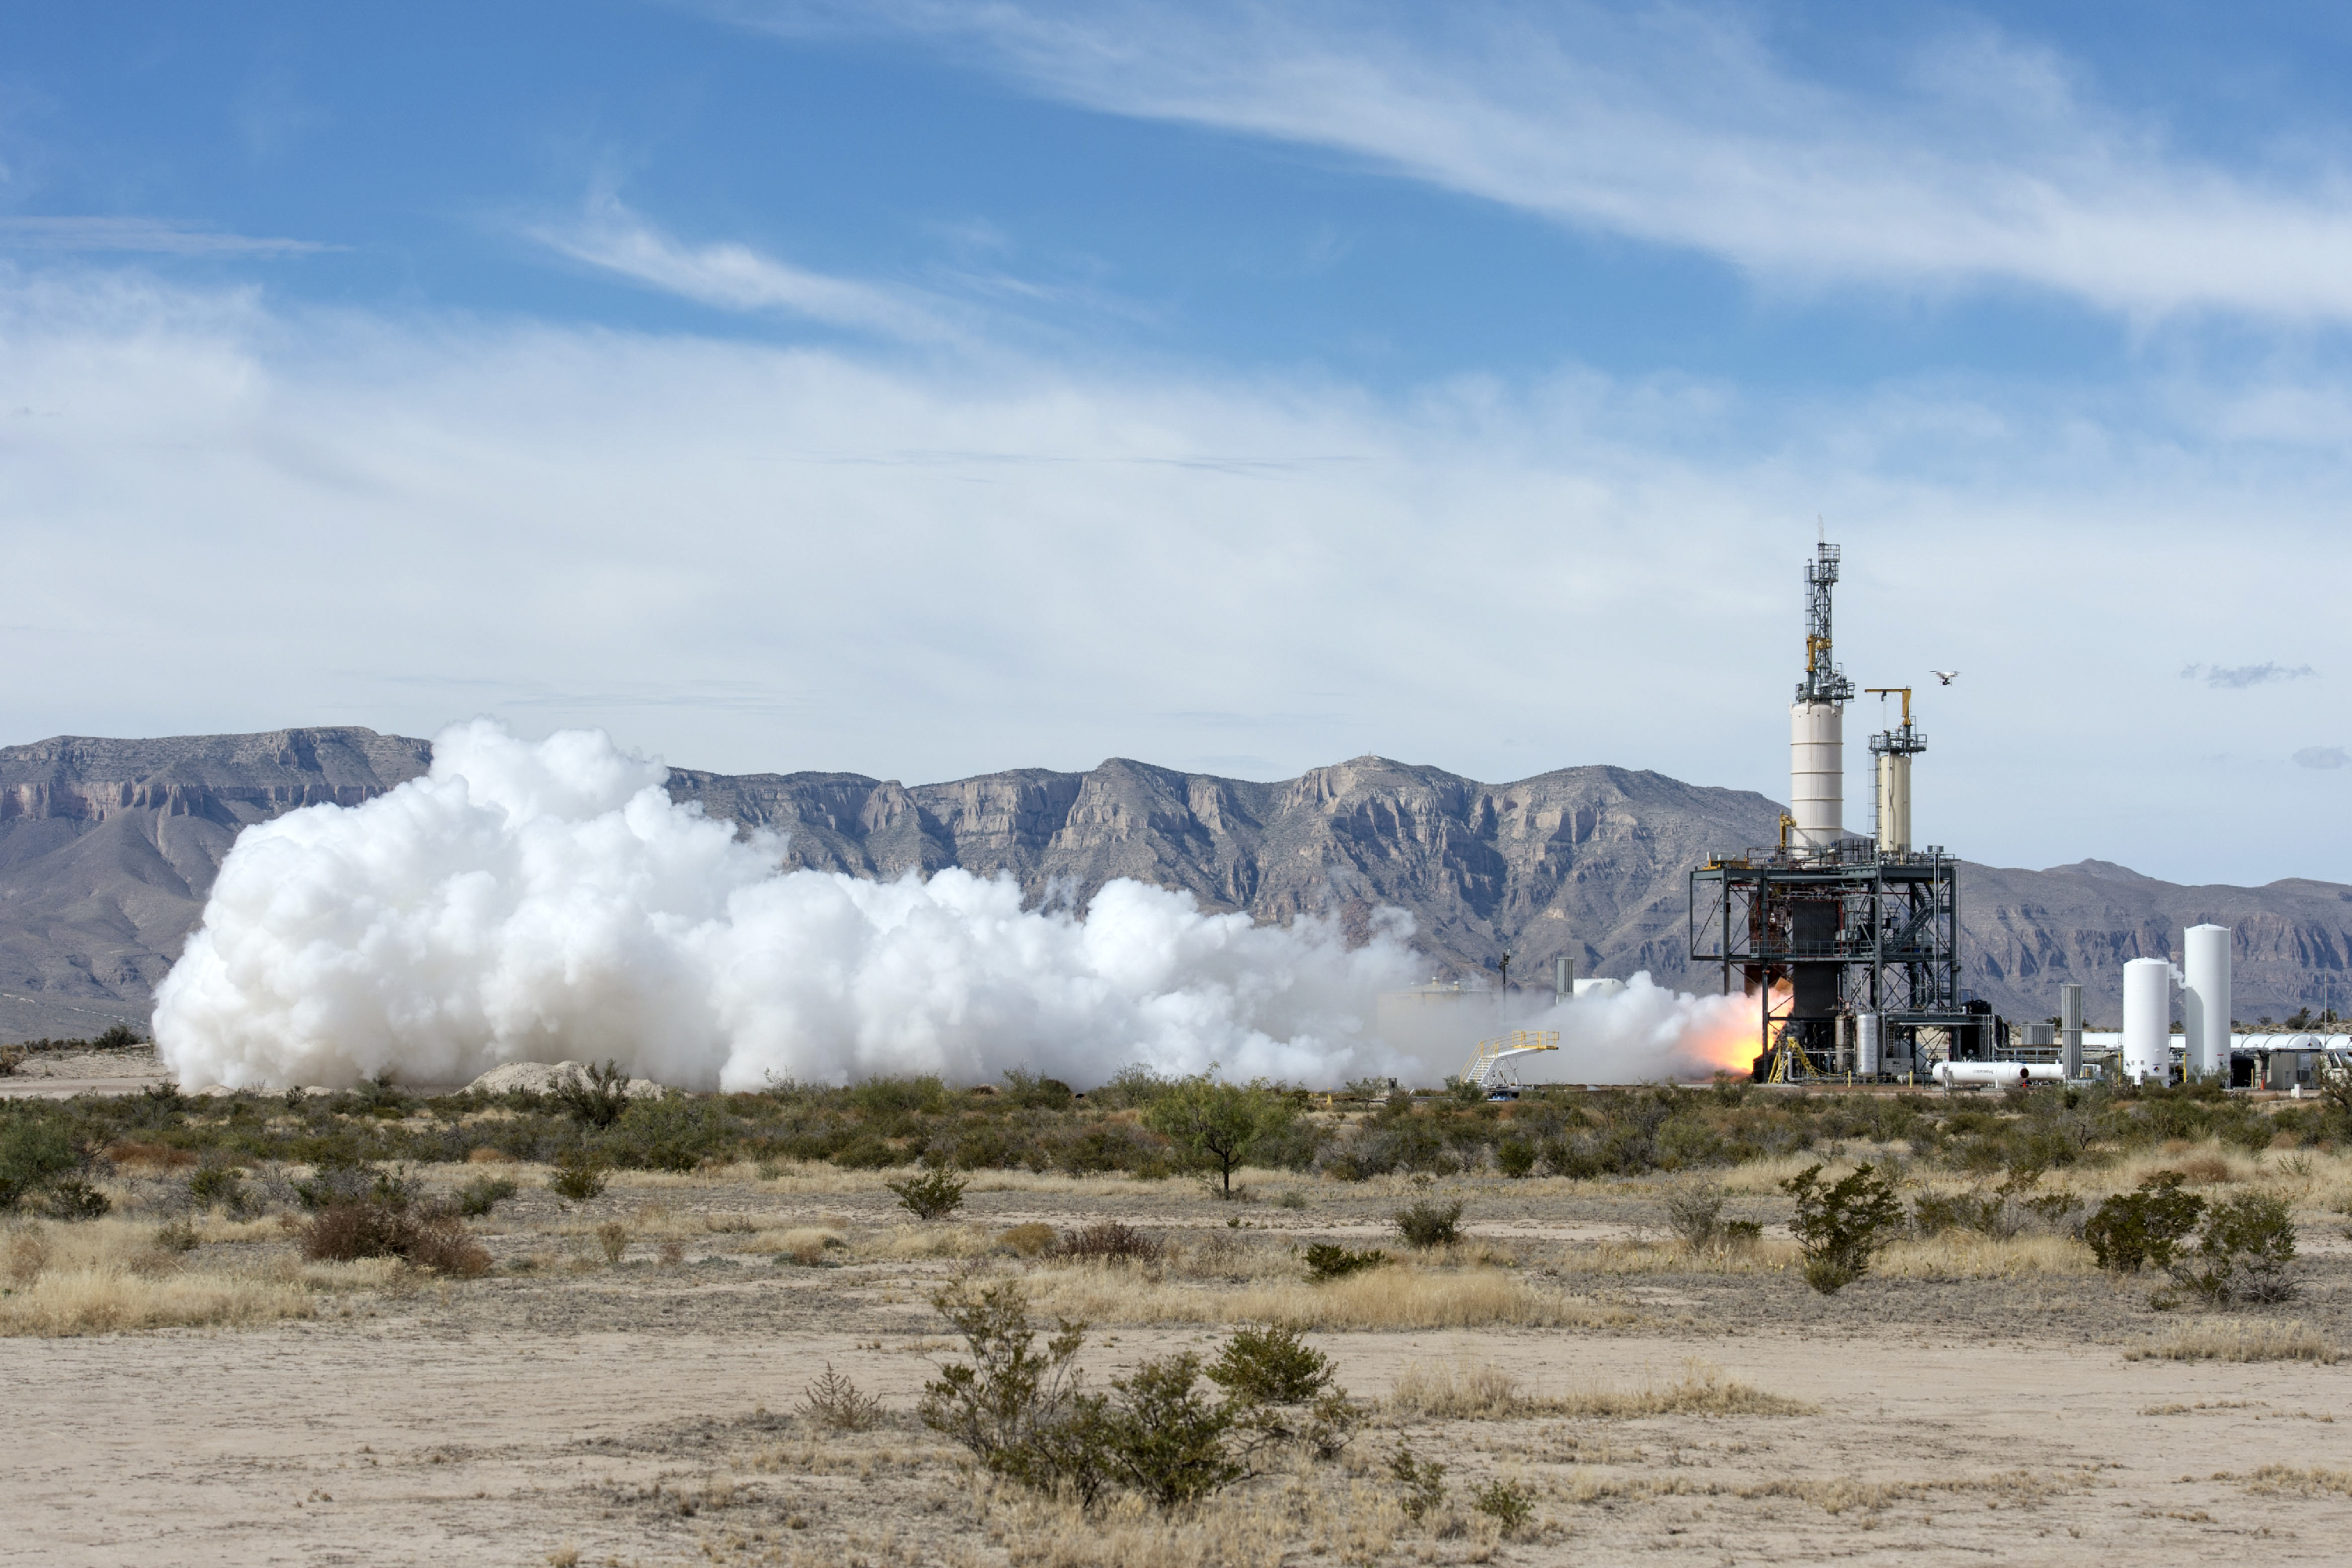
column 933, row 1195
column 1420, row 1483
column 1271, row 1365
column 579, row 1176
column 1327, row 1261
column 1515, row 1157
column 1164, row 1438
column 480, row 1195
column 1012, row 1405
column 674, row 1133
column 596, row 1097
column 218, row 1185
column 1842, row 1225
column 1509, row 1504
column 72, row 1198
column 35, row 1152
column 1426, row 1223
column 2143, row 1228
column 2243, row 1252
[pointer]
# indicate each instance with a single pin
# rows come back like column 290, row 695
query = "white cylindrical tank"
column 1999, row 1075
column 1817, row 774
column 1865, row 1045
column 2205, row 999
column 2147, row 1020
column 1894, row 802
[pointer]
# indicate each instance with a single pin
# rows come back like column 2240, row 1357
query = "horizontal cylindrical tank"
column 1817, row 774
column 2205, row 1000
column 1999, row 1075
column 2147, row 1020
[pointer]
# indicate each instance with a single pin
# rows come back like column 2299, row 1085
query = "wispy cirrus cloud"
column 1982, row 160
column 2238, row 676
column 730, row 276
column 148, row 236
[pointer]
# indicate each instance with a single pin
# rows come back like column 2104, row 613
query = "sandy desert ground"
column 1998, row 1405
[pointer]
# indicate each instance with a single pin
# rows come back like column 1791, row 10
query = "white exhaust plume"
column 538, row 902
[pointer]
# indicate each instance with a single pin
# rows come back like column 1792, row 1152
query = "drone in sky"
column 1946, row 676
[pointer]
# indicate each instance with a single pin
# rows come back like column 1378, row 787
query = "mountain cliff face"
column 108, row 847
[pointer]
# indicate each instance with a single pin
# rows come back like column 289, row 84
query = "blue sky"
column 921, row 390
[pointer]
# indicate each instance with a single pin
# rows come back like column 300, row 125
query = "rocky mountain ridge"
column 108, row 846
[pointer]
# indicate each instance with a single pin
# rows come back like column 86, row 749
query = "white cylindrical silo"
column 2147, row 1020
column 1866, row 1050
column 1817, row 774
column 2205, row 999
column 1894, row 802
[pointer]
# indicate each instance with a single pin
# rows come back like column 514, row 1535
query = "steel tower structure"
column 1850, row 945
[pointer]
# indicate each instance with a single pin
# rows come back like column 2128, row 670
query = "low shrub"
column 596, row 1097
column 1426, row 1223
column 1033, row 1240
column 477, row 1197
column 1420, row 1483
column 343, row 1232
column 2242, row 1254
column 72, row 1198
column 1515, row 1157
column 221, row 1186
column 1842, row 1225
column 932, row 1194
column 35, row 1151
column 613, row 1240
column 1164, row 1438
column 1108, row 1239
column 1327, row 1261
column 1510, row 1505
column 579, row 1176
column 835, row 1404
column 1271, row 1365
column 2145, row 1229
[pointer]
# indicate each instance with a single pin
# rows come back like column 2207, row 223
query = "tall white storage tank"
column 2147, row 1020
column 1817, row 774
column 2205, row 999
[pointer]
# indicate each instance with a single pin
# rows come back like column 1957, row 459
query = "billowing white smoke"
column 1637, row 1032
column 538, row 902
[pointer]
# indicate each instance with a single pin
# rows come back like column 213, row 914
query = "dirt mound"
column 538, row 1078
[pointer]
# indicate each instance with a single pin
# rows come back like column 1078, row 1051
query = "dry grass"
column 110, row 1276
column 1970, row 1255
column 1470, row 1390
column 2231, row 1340
column 2285, row 1481
column 1771, row 1255
column 1400, row 1296
column 1317, row 1523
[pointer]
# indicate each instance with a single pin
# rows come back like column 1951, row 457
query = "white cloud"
column 232, row 516
column 2238, row 676
column 734, row 277
column 1984, row 161
column 149, row 236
